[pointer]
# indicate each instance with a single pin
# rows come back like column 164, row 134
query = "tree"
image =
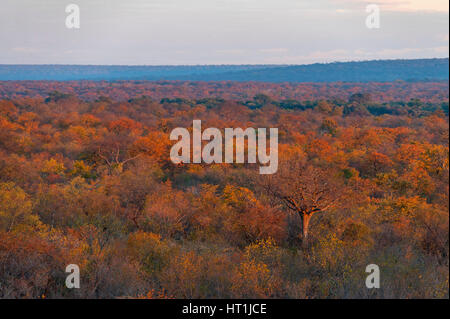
column 262, row 99
column 113, row 150
column 305, row 190
column 15, row 207
column 360, row 98
column 324, row 107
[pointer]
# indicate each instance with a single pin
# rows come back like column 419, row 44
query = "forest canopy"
column 86, row 179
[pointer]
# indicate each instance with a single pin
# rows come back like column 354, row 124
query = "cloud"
column 26, row 50
column 274, row 50
column 232, row 51
column 399, row 5
column 415, row 5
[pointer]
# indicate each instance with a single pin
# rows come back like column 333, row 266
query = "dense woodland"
column 86, row 179
column 288, row 93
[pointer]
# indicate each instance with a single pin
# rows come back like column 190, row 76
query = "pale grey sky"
column 156, row 32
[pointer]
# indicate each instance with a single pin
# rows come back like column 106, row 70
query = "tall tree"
column 305, row 190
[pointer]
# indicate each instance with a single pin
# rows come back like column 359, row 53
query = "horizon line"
column 243, row 64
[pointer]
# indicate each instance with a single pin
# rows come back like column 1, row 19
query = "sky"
column 192, row 32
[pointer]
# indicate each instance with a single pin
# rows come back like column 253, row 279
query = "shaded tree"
column 305, row 190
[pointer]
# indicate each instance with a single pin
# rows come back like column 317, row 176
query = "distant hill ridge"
column 361, row 71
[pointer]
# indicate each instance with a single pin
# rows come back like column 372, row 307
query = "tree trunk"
column 305, row 225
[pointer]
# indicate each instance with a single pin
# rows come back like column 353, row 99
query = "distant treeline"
column 293, row 94
column 365, row 71
column 358, row 104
